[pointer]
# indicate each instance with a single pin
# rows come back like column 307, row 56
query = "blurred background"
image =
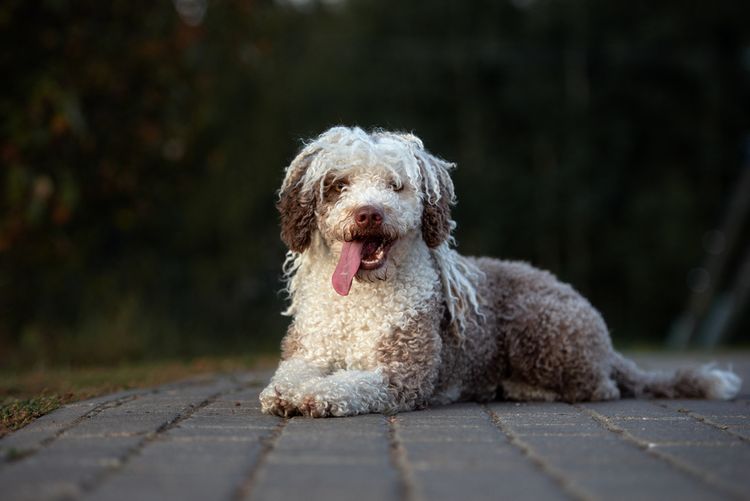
column 141, row 144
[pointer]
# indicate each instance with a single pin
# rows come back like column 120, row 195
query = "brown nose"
column 368, row 217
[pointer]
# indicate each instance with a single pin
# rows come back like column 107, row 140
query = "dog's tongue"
column 351, row 255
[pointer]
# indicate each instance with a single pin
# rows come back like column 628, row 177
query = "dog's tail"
column 698, row 382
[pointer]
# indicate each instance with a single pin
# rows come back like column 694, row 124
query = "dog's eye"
column 396, row 186
column 339, row 186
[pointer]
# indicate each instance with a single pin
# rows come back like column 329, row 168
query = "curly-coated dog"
column 388, row 317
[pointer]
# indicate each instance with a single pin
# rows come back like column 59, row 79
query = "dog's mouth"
column 368, row 253
column 374, row 253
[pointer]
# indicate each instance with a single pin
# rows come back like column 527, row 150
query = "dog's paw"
column 311, row 407
column 273, row 402
column 317, row 407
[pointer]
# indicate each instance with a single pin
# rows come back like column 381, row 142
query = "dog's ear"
column 297, row 206
column 436, row 222
column 438, row 196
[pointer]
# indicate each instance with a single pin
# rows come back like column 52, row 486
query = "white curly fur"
column 723, row 385
column 429, row 326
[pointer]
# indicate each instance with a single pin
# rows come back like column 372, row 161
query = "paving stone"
column 307, row 441
column 546, row 429
column 651, row 481
column 462, row 435
column 534, row 408
column 728, row 465
column 425, row 419
column 78, row 448
column 742, row 431
column 629, row 408
column 459, row 410
column 659, row 431
column 469, row 424
column 345, row 482
column 596, row 460
column 41, row 480
column 337, row 446
column 450, row 460
column 733, row 416
column 483, row 484
column 708, row 407
column 459, row 455
column 329, row 464
column 186, row 470
column 586, row 448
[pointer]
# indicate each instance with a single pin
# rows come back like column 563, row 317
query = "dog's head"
column 369, row 197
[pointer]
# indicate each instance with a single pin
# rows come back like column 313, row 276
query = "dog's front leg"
column 283, row 395
column 346, row 393
column 408, row 361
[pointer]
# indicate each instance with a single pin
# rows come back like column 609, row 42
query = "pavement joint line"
column 245, row 488
column 567, row 486
column 707, row 421
column 89, row 486
column 652, row 449
column 545, row 434
column 649, row 418
column 400, row 461
column 109, row 404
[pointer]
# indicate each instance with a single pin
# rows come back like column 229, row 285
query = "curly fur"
column 429, row 326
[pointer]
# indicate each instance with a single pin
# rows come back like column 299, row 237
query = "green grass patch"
column 17, row 413
column 27, row 395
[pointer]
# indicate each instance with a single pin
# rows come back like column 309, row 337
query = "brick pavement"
column 206, row 439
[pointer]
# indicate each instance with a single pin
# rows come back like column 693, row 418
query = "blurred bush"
column 142, row 142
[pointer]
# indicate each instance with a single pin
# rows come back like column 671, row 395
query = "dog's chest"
column 346, row 332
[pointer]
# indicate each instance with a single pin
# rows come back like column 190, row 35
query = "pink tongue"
column 351, row 255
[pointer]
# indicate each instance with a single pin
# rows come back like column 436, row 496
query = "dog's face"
column 371, row 214
column 369, row 197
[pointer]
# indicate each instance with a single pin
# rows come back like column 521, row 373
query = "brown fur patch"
column 436, row 224
column 297, row 212
column 410, row 358
column 291, row 343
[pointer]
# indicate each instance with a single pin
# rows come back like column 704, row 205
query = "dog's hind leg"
column 593, row 388
column 605, row 389
column 524, row 392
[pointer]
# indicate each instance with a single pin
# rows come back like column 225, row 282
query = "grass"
column 27, row 395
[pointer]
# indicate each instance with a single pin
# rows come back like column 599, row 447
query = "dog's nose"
column 368, row 216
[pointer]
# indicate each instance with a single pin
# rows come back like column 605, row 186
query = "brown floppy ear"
column 297, row 207
column 436, row 221
column 436, row 213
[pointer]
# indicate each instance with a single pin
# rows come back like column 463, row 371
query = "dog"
column 389, row 317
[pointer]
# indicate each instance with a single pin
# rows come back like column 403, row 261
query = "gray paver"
column 66, row 467
column 459, row 453
column 205, row 456
column 207, row 439
column 329, row 459
column 574, row 452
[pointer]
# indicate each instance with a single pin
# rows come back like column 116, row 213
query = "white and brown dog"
column 387, row 317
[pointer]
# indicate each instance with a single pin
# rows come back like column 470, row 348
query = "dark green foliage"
column 140, row 156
